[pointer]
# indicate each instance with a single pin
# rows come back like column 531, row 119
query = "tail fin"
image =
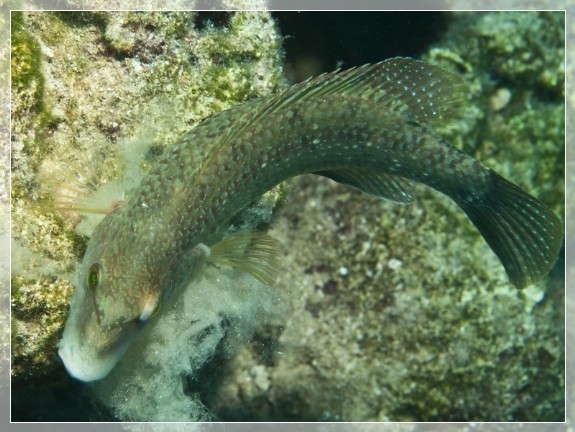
column 522, row 231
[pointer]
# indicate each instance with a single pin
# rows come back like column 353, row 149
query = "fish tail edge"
column 523, row 232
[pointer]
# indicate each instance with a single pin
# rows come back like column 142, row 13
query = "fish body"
column 368, row 128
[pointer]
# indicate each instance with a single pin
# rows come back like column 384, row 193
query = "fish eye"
column 94, row 276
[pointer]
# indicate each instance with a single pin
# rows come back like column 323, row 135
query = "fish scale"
column 368, row 128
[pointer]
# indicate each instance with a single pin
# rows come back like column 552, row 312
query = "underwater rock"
column 112, row 90
column 443, row 336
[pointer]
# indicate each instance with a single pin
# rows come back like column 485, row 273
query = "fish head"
column 113, row 299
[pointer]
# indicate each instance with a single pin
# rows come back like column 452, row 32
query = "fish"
column 368, row 127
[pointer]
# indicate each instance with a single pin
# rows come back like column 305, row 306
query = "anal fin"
column 377, row 184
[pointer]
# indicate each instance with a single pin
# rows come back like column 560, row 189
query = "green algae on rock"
column 107, row 105
column 330, row 350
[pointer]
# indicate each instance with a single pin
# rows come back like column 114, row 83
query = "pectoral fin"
column 253, row 252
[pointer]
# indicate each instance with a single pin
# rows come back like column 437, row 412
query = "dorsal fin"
column 415, row 90
column 419, row 91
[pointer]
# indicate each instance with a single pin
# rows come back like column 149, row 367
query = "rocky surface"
column 404, row 313
column 385, row 312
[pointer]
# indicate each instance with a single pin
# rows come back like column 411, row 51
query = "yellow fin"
column 253, row 252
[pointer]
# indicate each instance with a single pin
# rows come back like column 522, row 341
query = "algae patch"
column 108, row 107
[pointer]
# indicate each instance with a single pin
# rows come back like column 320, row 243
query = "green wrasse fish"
column 368, row 128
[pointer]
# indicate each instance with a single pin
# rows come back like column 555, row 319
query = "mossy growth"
column 225, row 88
column 32, row 119
column 38, row 312
column 521, row 55
column 119, row 88
column 525, row 48
column 26, row 57
column 28, row 83
column 531, row 135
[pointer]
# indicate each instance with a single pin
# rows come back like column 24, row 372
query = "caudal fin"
column 522, row 231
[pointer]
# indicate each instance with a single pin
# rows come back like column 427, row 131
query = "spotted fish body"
column 368, row 128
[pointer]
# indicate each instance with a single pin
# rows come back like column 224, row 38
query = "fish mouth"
column 89, row 363
column 78, row 367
